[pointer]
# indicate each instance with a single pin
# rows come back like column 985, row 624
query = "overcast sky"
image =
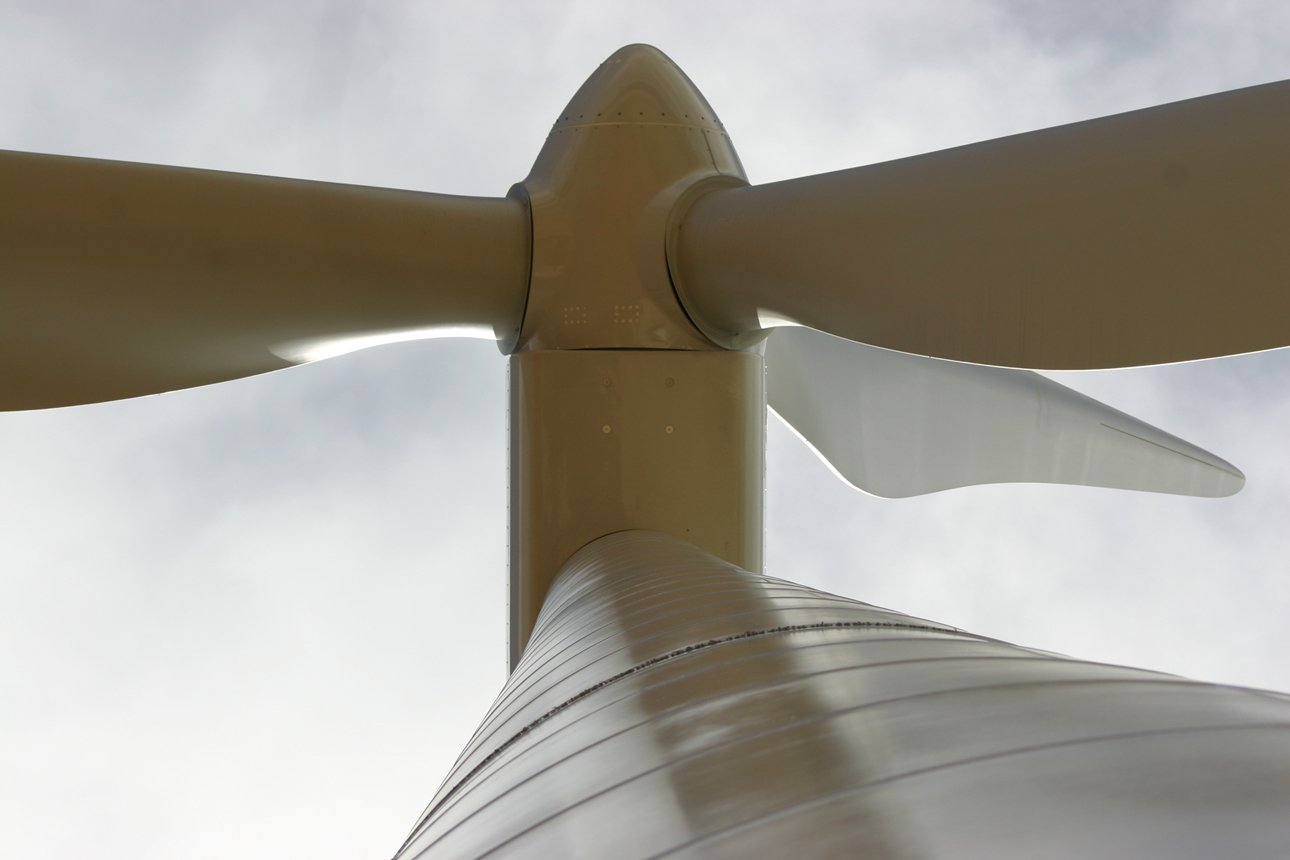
column 260, row 619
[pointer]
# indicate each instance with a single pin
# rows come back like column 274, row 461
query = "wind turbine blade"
column 120, row 279
column 1147, row 237
column 900, row 425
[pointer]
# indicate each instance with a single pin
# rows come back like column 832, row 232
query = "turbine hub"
column 633, row 140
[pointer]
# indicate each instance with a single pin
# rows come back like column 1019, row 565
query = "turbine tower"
column 666, row 697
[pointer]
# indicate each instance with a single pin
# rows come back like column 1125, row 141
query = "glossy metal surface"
column 671, row 704
column 607, row 440
column 635, row 138
column 897, row 425
column 120, row 279
column 1143, row 238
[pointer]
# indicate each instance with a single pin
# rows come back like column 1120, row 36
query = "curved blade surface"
column 121, row 279
column 899, row 425
column 1147, row 237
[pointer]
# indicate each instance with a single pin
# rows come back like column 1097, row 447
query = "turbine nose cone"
column 638, row 85
column 635, row 137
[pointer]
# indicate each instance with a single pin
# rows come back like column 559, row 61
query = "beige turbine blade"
column 899, row 425
column 121, row 279
column 1142, row 238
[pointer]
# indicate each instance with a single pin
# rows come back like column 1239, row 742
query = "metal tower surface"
column 672, row 704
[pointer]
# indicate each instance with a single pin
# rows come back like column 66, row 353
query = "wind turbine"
column 634, row 276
